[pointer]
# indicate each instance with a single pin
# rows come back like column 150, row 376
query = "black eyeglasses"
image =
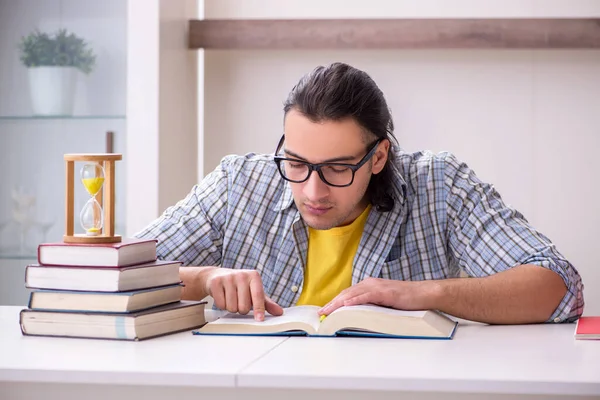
column 333, row 174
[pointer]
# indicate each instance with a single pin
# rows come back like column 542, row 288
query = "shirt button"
column 294, row 288
column 557, row 320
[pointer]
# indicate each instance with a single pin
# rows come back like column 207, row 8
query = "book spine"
column 39, row 256
column 26, row 275
column 30, row 300
column 118, row 246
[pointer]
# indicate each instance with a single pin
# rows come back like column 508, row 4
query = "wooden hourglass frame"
column 105, row 197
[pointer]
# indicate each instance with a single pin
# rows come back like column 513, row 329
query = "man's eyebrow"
column 331, row 160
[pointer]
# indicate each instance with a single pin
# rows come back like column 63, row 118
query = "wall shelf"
column 17, row 256
column 60, row 118
column 513, row 33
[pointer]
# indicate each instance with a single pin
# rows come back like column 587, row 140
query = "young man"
column 342, row 216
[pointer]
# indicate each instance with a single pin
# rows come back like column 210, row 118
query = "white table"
column 481, row 362
column 177, row 360
column 501, row 360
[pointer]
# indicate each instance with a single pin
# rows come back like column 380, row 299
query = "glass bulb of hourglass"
column 92, row 177
column 91, row 217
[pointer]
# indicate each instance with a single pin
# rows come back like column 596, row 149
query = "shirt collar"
column 398, row 185
column 286, row 199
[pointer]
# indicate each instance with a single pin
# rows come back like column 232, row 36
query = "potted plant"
column 53, row 61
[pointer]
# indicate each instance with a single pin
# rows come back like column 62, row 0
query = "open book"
column 363, row 320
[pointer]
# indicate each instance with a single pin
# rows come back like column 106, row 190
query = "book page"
column 381, row 309
column 305, row 314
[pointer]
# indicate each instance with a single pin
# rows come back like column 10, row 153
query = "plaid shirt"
column 445, row 219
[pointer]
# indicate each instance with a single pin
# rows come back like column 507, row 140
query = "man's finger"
column 364, row 298
column 243, row 297
column 218, row 294
column 257, row 294
column 272, row 307
column 338, row 301
column 333, row 305
column 231, row 296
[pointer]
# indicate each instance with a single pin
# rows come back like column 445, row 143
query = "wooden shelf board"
column 513, row 33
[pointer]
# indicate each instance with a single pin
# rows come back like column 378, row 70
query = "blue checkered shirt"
column 444, row 220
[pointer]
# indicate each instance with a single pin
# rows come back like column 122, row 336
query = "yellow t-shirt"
column 329, row 261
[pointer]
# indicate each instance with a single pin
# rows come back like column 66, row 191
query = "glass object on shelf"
column 26, row 226
column 44, row 227
column 22, row 214
column 4, row 245
column 91, row 216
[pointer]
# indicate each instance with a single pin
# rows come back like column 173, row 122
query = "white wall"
column 234, row 9
column 161, row 108
column 524, row 120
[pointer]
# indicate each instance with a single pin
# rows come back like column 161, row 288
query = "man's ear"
column 380, row 157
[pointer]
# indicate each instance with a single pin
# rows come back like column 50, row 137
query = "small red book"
column 588, row 328
column 128, row 252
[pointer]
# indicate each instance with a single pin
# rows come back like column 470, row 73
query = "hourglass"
column 97, row 217
column 92, row 178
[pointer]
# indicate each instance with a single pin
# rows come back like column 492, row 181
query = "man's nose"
column 314, row 188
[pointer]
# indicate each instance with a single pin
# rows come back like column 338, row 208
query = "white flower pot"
column 52, row 90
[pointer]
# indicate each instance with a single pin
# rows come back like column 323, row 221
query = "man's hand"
column 240, row 291
column 403, row 295
column 520, row 295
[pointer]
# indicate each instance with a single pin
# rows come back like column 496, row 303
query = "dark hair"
column 339, row 91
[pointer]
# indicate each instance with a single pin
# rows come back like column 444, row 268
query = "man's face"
column 323, row 206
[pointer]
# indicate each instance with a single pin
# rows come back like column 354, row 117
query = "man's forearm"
column 194, row 279
column 524, row 294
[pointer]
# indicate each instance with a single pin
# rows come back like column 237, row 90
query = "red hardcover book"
column 588, row 328
column 130, row 251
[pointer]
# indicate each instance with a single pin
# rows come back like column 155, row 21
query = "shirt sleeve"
column 486, row 236
column 191, row 231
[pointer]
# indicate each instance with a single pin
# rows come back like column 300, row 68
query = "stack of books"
column 106, row 291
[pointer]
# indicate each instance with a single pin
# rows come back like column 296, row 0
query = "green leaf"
column 60, row 48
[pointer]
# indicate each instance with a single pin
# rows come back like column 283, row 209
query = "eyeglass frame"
column 317, row 167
